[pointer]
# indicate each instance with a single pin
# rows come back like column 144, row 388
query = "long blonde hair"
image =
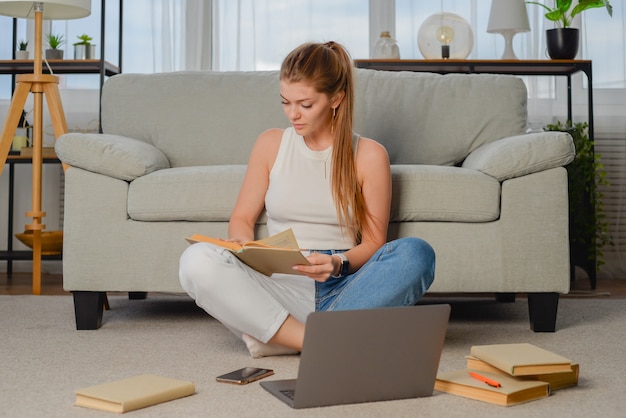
column 328, row 68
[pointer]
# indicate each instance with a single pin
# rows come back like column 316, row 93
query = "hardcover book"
column 512, row 391
column 275, row 254
column 133, row 393
column 521, row 359
column 555, row 380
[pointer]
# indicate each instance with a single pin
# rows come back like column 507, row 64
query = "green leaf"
column 590, row 4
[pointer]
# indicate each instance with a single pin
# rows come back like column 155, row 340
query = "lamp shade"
column 508, row 15
column 52, row 9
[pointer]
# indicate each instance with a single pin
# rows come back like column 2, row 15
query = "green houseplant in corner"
column 586, row 174
column 54, row 42
column 563, row 41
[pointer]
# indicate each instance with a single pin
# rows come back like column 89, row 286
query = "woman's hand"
column 321, row 268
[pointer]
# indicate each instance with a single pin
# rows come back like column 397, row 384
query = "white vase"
column 386, row 47
column 21, row 55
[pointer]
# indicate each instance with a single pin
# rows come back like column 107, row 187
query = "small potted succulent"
column 562, row 41
column 54, row 42
column 83, row 49
column 22, row 52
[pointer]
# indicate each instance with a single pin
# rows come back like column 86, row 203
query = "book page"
column 285, row 239
column 275, row 254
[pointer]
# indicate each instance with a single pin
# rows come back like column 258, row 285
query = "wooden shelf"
column 60, row 67
column 517, row 67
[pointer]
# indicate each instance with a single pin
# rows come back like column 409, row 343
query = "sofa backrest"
column 426, row 118
column 210, row 118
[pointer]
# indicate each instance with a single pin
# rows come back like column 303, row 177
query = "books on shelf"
column 133, row 393
column 509, row 374
column 512, row 391
column 521, row 359
column 275, row 254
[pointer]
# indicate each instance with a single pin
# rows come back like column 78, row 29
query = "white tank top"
column 299, row 196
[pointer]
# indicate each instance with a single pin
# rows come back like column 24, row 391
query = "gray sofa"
column 491, row 200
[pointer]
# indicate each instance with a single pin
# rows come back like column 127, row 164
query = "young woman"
column 333, row 188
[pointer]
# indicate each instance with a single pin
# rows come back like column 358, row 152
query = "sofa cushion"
column 206, row 193
column 437, row 119
column 522, row 155
column 445, row 194
column 111, row 155
column 195, row 117
column 420, row 193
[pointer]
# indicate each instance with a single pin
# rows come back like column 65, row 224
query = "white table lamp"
column 508, row 17
column 39, row 84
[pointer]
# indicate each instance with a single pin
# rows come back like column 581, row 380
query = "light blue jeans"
column 398, row 274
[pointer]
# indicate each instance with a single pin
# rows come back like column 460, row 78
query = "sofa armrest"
column 112, row 155
column 520, row 155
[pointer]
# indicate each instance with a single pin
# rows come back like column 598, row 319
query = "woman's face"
column 308, row 110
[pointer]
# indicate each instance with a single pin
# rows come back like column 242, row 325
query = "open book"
column 275, row 254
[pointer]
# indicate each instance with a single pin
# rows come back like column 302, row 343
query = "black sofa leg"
column 505, row 297
column 542, row 310
column 88, row 307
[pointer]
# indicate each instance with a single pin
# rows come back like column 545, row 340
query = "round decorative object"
column 386, row 47
column 445, row 35
column 51, row 241
column 562, row 43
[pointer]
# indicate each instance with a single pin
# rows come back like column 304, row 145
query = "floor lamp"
column 40, row 85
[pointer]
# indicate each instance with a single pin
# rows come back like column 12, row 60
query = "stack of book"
column 509, row 374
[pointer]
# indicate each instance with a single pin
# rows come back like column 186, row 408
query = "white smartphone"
column 245, row 375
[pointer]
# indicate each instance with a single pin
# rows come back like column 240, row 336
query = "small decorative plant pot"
column 54, row 54
column 562, row 43
column 84, row 52
column 21, row 55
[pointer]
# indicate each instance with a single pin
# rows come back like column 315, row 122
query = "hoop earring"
column 332, row 122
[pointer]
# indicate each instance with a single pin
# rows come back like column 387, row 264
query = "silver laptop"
column 366, row 355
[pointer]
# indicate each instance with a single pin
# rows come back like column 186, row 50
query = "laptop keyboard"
column 290, row 393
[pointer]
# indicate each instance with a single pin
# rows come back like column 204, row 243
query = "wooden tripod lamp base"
column 39, row 85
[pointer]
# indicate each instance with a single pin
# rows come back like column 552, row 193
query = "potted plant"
column 21, row 53
column 563, row 40
column 588, row 225
column 54, row 42
column 83, row 49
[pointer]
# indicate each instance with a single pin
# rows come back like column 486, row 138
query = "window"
column 256, row 35
column 603, row 43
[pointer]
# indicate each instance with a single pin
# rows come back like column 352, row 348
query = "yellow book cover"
column 275, row 254
column 521, row 359
column 512, row 391
column 133, row 393
column 556, row 381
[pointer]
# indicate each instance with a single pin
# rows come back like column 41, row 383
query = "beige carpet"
column 45, row 359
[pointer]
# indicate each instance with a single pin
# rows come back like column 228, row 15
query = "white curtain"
column 257, row 34
column 604, row 41
column 167, row 35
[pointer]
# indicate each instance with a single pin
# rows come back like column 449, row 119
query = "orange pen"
column 488, row 381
